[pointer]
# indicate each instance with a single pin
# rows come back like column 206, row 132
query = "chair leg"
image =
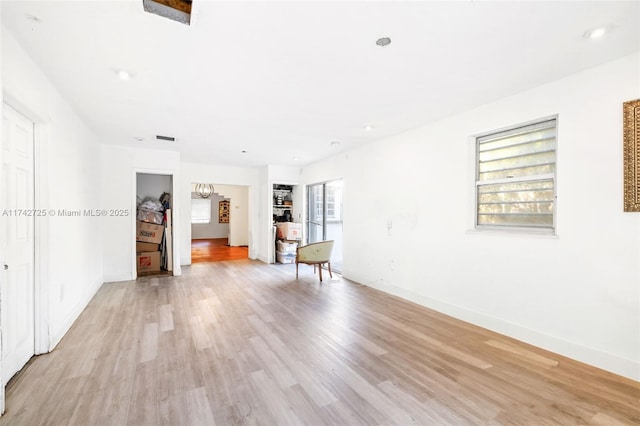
column 329, row 267
column 296, row 270
column 320, row 271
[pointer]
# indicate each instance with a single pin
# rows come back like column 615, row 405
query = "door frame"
column 308, row 206
column 42, row 337
column 271, row 249
column 175, row 226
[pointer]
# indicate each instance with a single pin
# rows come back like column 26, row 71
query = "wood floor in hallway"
column 215, row 250
column 242, row 342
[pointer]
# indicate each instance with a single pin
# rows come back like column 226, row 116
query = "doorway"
column 17, row 242
column 219, row 223
column 154, row 225
column 324, row 217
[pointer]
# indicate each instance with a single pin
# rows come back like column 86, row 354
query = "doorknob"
column 6, row 267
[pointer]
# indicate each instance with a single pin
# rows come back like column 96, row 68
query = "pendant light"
column 204, row 190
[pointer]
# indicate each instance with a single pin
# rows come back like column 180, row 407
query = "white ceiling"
column 285, row 79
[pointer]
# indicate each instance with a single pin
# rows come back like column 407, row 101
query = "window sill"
column 514, row 232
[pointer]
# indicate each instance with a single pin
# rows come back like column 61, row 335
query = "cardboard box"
column 289, row 231
column 285, row 257
column 148, row 261
column 140, row 247
column 286, row 247
column 149, row 233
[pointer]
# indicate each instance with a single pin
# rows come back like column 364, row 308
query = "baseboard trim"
column 116, row 278
column 594, row 357
column 57, row 335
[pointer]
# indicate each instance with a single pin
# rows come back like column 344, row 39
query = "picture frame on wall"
column 223, row 211
column 631, row 129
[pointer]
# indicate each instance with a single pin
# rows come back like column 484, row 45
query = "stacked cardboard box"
column 148, row 239
column 289, row 231
column 149, row 232
column 148, row 261
column 140, row 247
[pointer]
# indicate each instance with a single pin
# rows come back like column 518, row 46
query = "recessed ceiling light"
column 368, row 128
column 595, row 33
column 124, row 75
column 296, row 158
column 383, row 41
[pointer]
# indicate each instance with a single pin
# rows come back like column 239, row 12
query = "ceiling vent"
column 176, row 10
column 165, row 138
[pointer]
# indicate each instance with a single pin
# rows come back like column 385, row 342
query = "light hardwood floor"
column 241, row 342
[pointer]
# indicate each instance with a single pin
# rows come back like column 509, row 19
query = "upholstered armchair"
column 315, row 254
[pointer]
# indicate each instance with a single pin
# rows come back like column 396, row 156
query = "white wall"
column 238, row 213
column 68, row 249
column 220, row 176
column 265, row 217
column 576, row 294
column 214, row 229
column 118, row 190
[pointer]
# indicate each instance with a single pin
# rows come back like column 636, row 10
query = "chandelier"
column 204, row 190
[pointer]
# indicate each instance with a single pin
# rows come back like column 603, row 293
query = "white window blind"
column 200, row 210
column 515, row 180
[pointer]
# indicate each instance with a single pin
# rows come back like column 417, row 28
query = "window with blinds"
column 515, row 179
column 200, row 210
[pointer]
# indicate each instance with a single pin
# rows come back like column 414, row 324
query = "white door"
column 16, row 242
